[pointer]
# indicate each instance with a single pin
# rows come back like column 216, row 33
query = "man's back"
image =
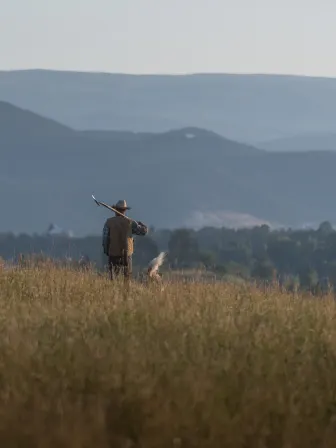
column 120, row 237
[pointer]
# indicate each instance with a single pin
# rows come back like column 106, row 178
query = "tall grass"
column 195, row 365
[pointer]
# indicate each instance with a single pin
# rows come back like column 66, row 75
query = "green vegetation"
column 294, row 258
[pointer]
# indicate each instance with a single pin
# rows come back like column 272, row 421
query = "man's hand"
column 139, row 228
column 143, row 225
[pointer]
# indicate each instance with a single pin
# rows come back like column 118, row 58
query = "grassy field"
column 196, row 365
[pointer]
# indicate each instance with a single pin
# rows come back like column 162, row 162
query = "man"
column 118, row 240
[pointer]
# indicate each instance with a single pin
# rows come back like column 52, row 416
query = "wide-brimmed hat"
column 121, row 205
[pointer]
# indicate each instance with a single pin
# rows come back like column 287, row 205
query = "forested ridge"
column 304, row 258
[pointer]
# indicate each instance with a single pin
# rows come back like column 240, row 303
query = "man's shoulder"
column 113, row 218
column 108, row 222
column 117, row 219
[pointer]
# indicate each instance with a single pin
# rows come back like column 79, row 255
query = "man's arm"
column 138, row 228
column 106, row 239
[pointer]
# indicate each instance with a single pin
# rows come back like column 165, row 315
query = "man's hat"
column 121, row 205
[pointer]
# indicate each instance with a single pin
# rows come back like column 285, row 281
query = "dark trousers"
column 120, row 266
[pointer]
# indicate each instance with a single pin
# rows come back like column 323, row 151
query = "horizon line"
column 166, row 74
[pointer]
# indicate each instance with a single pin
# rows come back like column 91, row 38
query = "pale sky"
column 170, row 36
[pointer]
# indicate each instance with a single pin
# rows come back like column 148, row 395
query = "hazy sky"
column 170, row 36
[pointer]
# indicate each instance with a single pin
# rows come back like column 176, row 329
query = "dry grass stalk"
column 196, row 365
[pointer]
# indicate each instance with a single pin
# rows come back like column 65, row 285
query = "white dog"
column 152, row 273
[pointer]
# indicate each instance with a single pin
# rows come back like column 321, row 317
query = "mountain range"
column 245, row 108
column 193, row 176
column 314, row 141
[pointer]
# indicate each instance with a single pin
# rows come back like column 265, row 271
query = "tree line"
column 297, row 258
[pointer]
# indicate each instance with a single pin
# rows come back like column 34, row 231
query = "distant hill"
column 16, row 123
column 176, row 140
column 246, row 108
column 305, row 142
column 48, row 173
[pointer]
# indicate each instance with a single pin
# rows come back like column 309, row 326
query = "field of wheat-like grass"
column 195, row 365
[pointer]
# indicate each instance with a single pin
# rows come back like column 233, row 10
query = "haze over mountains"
column 168, row 145
column 317, row 141
column 246, row 108
column 48, row 172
